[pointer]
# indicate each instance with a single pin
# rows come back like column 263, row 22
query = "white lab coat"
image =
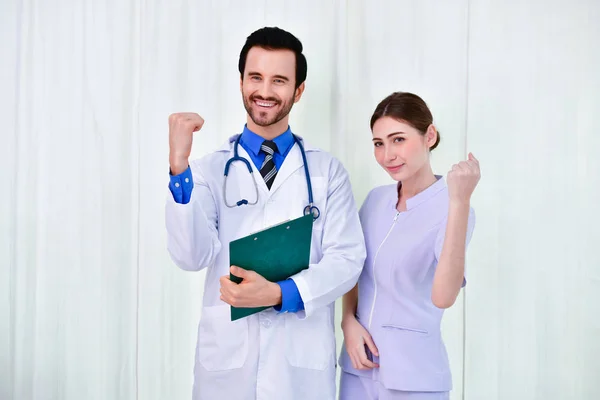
column 269, row 355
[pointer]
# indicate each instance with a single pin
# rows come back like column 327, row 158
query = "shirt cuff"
column 181, row 186
column 290, row 297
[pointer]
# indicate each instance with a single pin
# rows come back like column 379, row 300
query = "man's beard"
column 259, row 117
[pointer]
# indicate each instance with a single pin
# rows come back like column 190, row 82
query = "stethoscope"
column 309, row 209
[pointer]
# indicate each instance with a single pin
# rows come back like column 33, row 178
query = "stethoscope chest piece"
column 310, row 209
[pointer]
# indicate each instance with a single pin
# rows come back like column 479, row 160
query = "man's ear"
column 299, row 92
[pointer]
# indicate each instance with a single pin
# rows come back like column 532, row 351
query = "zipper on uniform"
column 373, row 269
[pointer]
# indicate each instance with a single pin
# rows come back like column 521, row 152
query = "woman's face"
column 401, row 149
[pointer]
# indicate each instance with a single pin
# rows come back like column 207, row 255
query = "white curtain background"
column 91, row 307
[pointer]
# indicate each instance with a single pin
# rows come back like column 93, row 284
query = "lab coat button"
column 266, row 323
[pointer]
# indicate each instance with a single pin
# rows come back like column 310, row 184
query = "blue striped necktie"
column 268, row 169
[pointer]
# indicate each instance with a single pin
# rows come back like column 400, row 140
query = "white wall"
column 91, row 305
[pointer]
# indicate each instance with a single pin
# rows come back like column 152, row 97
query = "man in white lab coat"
column 287, row 351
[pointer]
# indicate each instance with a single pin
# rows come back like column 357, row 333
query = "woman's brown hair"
column 406, row 107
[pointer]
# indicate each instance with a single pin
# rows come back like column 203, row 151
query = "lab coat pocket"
column 310, row 342
column 222, row 343
column 320, row 187
column 316, row 249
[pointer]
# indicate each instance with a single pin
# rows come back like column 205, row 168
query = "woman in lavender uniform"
column 416, row 232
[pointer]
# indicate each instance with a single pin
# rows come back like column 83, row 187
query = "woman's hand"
column 463, row 179
column 356, row 337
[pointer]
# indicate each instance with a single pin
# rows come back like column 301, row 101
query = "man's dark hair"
column 273, row 38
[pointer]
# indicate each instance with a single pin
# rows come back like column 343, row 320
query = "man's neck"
column 269, row 132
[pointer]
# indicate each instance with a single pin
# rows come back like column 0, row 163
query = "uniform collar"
column 227, row 146
column 252, row 141
column 425, row 195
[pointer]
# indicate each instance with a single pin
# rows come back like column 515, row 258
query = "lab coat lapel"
column 293, row 161
column 240, row 178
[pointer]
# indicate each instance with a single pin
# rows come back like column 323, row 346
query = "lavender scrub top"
column 394, row 289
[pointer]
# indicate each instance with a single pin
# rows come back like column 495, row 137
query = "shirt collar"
column 253, row 141
column 425, row 195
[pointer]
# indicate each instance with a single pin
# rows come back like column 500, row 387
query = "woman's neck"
column 416, row 184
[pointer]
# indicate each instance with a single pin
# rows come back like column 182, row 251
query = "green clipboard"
column 276, row 253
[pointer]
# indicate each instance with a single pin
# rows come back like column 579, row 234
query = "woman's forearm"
column 349, row 303
column 450, row 270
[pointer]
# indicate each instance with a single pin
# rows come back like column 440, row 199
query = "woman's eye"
column 398, row 139
column 377, row 144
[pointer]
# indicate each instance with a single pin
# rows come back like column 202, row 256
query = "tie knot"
column 269, row 147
